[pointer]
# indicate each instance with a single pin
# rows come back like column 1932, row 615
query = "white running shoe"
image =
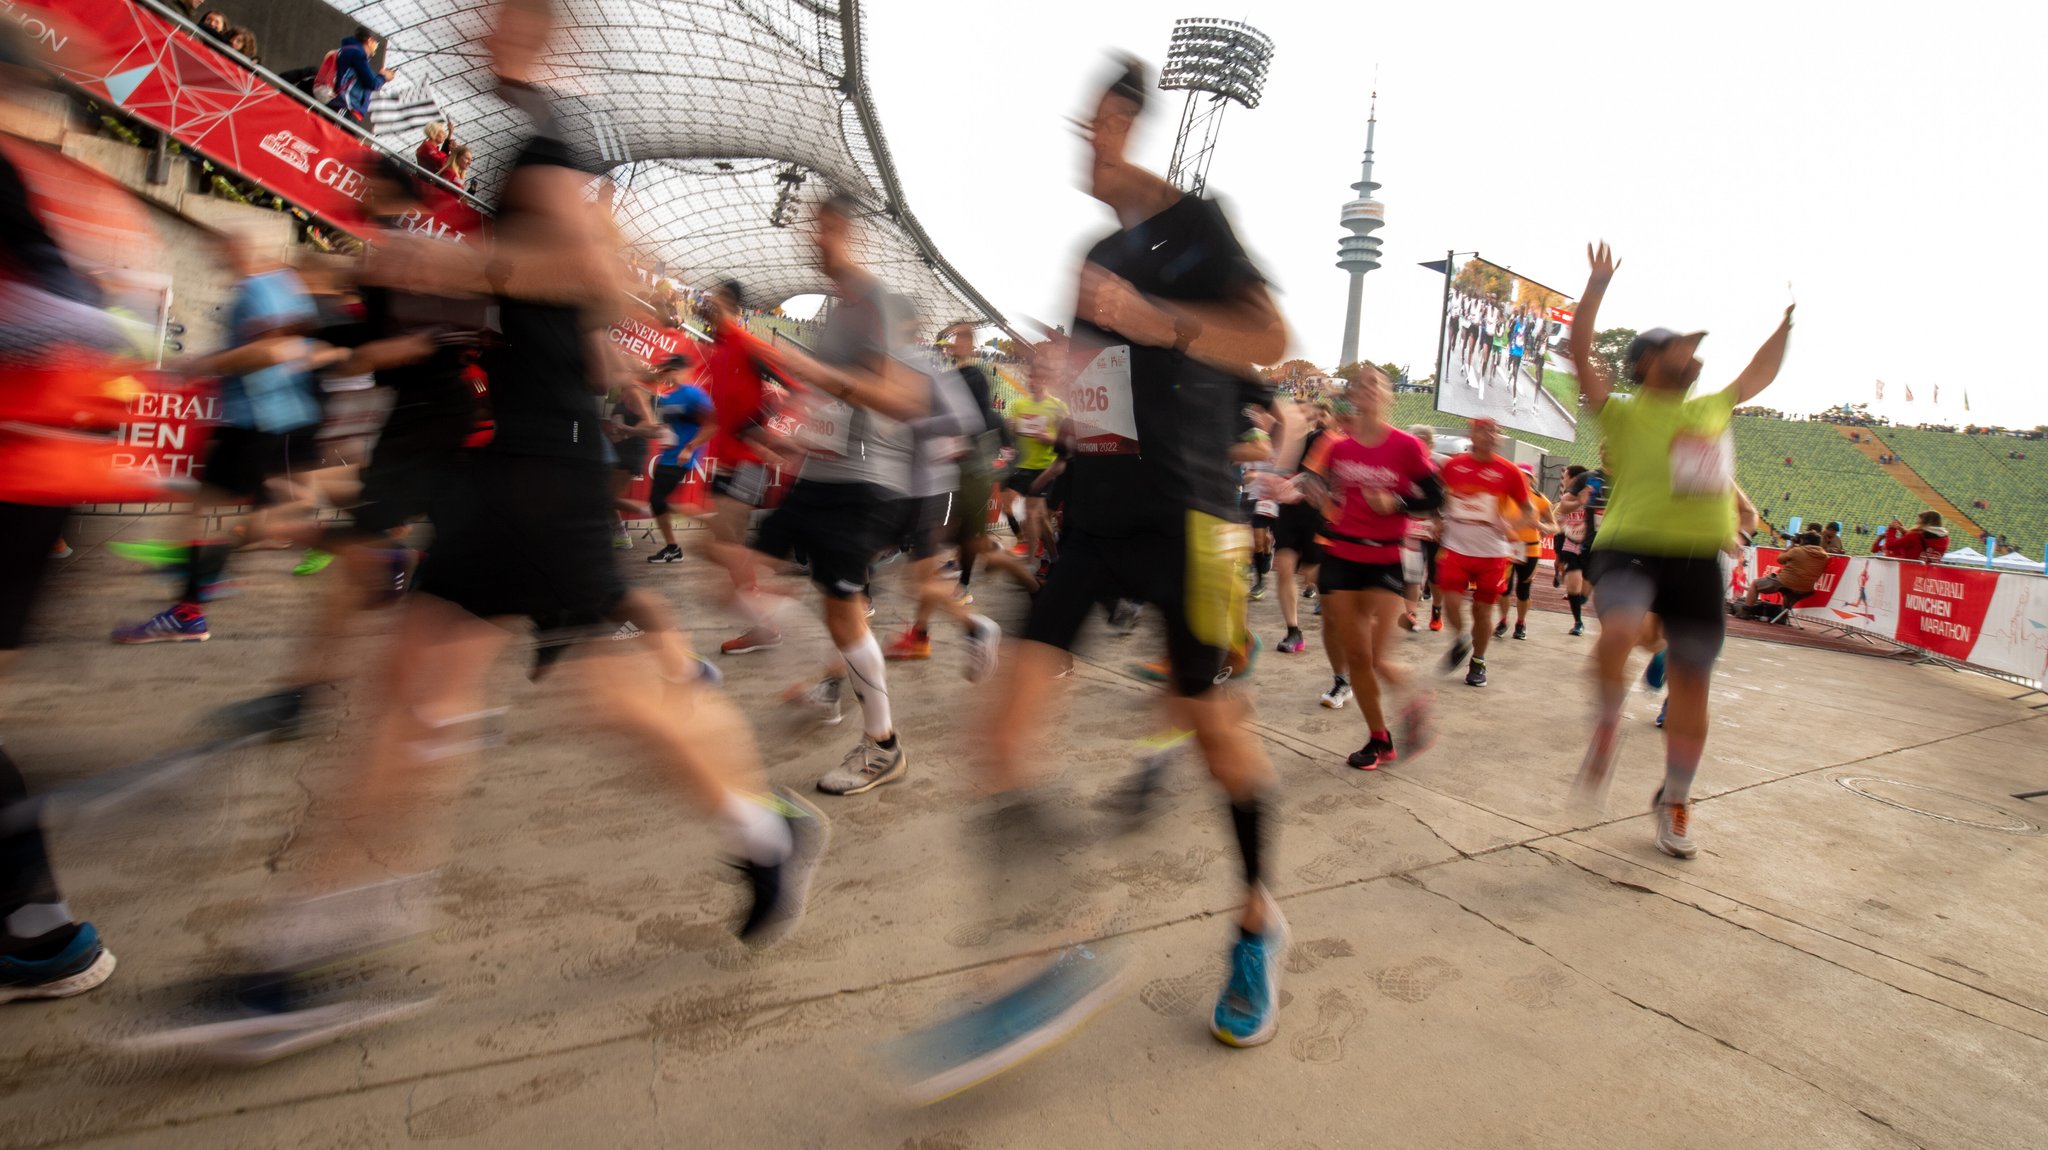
column 864, row 768
column 984, row 639
column 1338, row 695
column 1674, row 827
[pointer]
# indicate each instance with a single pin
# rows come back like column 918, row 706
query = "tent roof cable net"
column 724, row 122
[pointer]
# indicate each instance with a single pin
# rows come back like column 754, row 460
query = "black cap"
column 1654, row 340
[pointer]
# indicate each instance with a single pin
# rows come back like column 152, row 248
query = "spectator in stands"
column 432, row 154
column 1799, row 570
column 215, row 24
column 1788, row 461
column 1927, row 541
column 457, row 171
column 244, row 41
column 354, row 77
column 189, row 9
column 1831, row 539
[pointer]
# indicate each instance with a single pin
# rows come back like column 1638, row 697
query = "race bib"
column 1105, row 420
column 1702, row 466
column 1031, row 425
column 1483, row 507
column 1267, row 508
column 827, row 426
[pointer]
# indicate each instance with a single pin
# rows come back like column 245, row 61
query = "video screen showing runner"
column 1502, row 352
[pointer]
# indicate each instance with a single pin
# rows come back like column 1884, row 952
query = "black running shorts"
column 1149, row 568
column 1020, row 480
column 1349, row 575
column 525, row 535
column 1295, row 530
column 663, row 484
column 839, row 526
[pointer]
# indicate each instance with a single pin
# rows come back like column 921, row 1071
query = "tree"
column 1482, row 279
column 1395, row 373
column 1608, row 347
column 1293, row 372
column 1350, row 373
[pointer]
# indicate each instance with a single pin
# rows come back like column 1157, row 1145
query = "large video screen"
column 1502, row 352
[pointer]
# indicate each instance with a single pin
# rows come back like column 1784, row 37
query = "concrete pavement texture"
column 1855, row 959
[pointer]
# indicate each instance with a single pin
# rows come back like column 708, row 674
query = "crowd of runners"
column 1147, row 471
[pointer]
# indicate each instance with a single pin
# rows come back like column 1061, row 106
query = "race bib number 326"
column 1105, row 420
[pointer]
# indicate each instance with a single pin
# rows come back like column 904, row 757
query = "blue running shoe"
column 82, row 964
column 1248, row 1011
column 972, row 1047
column 180, row 624
column 1654, row 673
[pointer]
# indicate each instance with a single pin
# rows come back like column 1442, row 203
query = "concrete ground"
column 1856, row 958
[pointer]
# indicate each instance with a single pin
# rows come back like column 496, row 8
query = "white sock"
column 759, row 834
column 864, row 667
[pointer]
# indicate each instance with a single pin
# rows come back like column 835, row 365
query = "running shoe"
column 180, row 624
column 1308, row 591
column 257, row 1018
column 313, row 562
column 668, row 554
column 781, row 891
column 1577, row 629
column 984, row 641
column 1663, row 709
column 1134, row 799
column 1124, row 616
column 1418, row 724
column 864, row 768
column 822, row 697
column 77, row 966
column 1248, row 1010
column 1674, row 827
column 1475, row 673
column 1436, row 621
column 1338, row 694
column 755, row 639
column 1521, row 630
column 1258, row 588
column 1596, row 770
column 1461, row 649
column 911, row 644
column 62, row 550
column 1152, row 671
column 279, row 714
column 1653, row 675
column 1376, row 752
column 1407, row 620
column 151, row 552
column 1500, row 629
column 1243, row 659
column 976, row 1045
column 1294, row 643
column 963, row 596
column 622, row 539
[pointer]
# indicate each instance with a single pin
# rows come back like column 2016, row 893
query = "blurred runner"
column 686, row 414
column 1485, row 499
column 1523, row 573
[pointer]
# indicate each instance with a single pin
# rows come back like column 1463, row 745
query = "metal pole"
column 1443, row 367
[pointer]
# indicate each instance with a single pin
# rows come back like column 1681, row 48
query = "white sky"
column 1885, row 159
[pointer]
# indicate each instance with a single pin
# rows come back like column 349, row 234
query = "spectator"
column 1788, row 461
column 1831, row 539
column 457, row 171
column 1799, row 571
column 1926, row 542
column 432, row 154
column 189, row 9
column 354, row 77
column 215, row 24
column 244, row 41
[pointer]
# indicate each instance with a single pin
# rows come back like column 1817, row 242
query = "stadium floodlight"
column 1217, row 63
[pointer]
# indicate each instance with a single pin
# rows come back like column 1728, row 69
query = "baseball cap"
column 1487, row 422
column 1655, row 339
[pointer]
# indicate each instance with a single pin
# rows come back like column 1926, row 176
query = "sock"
column 1681, row 763
column 888, row 744
column 1247, row 819
column 1382, row 736
column 966, row 567
column 864, row 670
column 759, row 835
column 1578, row 603
column 1611, row 697
column 1262, row 562
column 203, row 566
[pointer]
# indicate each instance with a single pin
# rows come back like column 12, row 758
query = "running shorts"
column 1349, row 575
column 839, row 526
column 746, row 483
column 921, row 522
column 404, row 472
column 1572, row 554
column 1020, row 480
column 27, row 536
column 1150, row 568
column 239, row 459
column 524, row 535
column 1295, row 530
column 630, row 456
column 970, row 514
column 1414, row 569
column 662, row 484
column 1454, row 572
column 1525, row 575
column 1686, row 592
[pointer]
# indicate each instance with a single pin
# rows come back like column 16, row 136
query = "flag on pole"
column 1909, row 393
column 1966, row 399
column 1937, row 394
column 1880, row 391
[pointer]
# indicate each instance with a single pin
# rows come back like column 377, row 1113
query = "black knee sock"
column 966, row 567
column 1247, row 818
column 203, row 566
column 1578, row 603
column 1262, row 562
column 25, row 877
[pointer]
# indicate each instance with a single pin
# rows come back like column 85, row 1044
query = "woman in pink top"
column 1369, row 484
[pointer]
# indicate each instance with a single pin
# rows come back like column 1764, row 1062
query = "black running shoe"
column 782, row 890
column 1372, row 754
column 1475, row 675
column 1521, row 631
column 1500, row 629
column 669, row 554
column 1461, row 648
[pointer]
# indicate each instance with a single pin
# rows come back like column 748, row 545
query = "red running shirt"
column 732, row 375
column 1478, row 498
column 1395, row 464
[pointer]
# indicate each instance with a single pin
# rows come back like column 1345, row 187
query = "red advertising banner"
column 164, row 435
column 649, row 344
column 1993, row 620
column 161, row 73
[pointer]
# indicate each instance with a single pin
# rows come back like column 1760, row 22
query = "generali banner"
column 1996, row 620
column 157, row 71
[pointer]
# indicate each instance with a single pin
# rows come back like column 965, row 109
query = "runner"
column 848, row 498
column 1295, row 550
column 1418, row 559
column 632, row 429
column 1580, row 509
column 522, row 531
column 1485, row 499
column 1523, row 573
column 1672, row 513
column 685, row 411
column 1369, row 484
column 1170, row 314
column 1035, row 423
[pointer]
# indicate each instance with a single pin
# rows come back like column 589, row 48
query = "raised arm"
column 1763, row 367
column 1242, row 330
column 1594, row 386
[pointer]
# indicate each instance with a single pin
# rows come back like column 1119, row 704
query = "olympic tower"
column 1359, row 252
